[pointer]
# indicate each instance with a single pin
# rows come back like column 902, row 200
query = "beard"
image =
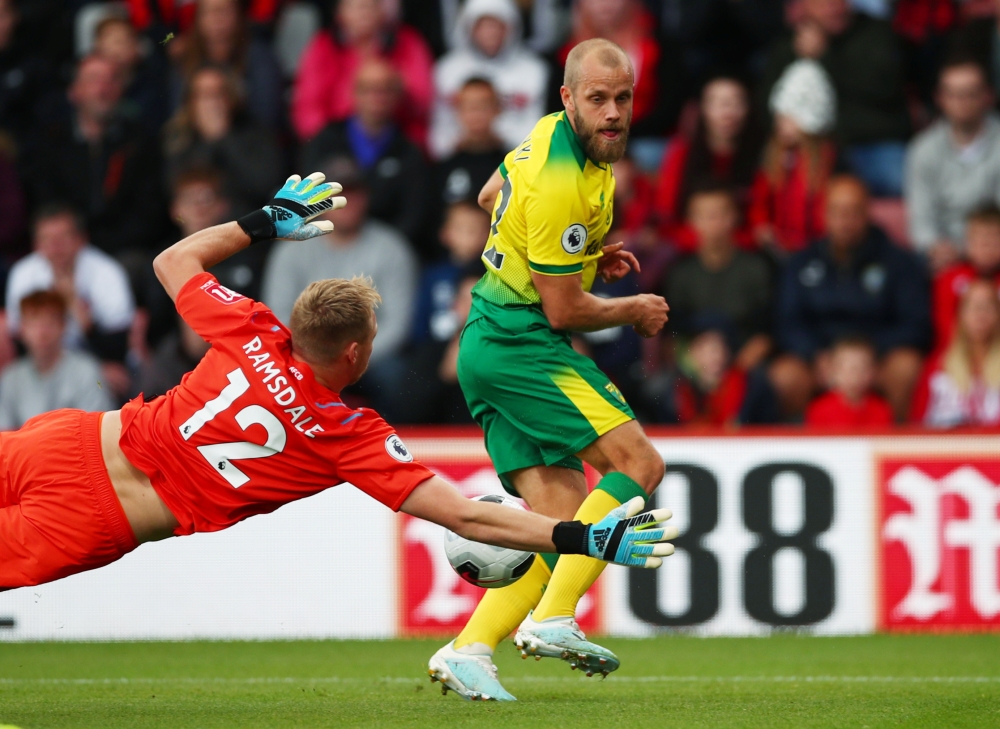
column 596, row 145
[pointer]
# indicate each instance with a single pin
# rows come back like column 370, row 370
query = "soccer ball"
column 484, row 565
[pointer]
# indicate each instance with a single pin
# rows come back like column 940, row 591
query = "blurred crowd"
column 813, row 185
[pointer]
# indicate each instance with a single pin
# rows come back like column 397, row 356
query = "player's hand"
column 615, row 263
column 627, row 537
column 652, row 316
column 298, row 202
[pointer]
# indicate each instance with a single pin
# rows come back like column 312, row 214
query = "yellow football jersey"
column 550, row 217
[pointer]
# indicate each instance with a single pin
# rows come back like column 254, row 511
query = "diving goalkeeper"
column 257, row 424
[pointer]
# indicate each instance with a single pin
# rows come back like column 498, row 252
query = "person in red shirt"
column 787, row 196
column 850, row 402
column 724, row 150
column 324, row 85
column 982, row 260
column 257, row 424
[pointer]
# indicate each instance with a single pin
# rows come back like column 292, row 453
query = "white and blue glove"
column 625, row 536
column 288, row 216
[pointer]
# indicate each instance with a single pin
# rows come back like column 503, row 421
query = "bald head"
column 591, row 55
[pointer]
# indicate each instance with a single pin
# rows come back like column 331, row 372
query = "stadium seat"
column 87, row 21
column 296, row 26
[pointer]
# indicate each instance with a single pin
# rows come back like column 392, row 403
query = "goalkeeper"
column 257, row 424
column 543, row 407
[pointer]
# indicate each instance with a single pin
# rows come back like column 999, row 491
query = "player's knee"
column 646, row 469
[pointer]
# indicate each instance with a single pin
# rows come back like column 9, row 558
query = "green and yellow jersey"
column 551, row 216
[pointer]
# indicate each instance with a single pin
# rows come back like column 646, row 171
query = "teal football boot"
column 472, row 676
column 562, row 638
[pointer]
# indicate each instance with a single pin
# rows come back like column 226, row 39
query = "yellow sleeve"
column 556, row 221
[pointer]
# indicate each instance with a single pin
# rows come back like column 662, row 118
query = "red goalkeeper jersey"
column 250, row 428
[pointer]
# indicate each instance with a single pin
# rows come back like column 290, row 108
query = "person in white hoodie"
column 488, row 45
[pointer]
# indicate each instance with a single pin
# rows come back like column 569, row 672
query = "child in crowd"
column 463, row 235
column 982, row 253
column 787, row 198
column 961, row 385
column 50, row 376
column 850, row 401
column 709, row 389
column 432, row 392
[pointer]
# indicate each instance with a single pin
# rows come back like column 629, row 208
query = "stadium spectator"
column 144, row 74
column 358, row 246
column 463, row 234
column 849, row 401
column 709, row 389
column 95, row 286
column 26, row 76
column 979, row 40
column 220, row 37
column 160, row 17
column 982, row 260
column 865, row 62
column 477, row 154
column 635, row 223
column 103, row 164
column 953, row 166
column 725, row 150
column 961, row 385
column 211, row 130
column 721, row 33
column 787, row 197
column 178, row 353
column 489, row 46
column 49, row 377
column 362, row 29
column 854, row 282
column 430, row 387
column 396, row 176
column 721, row 283
column 544, row 22
column 658, row 75
column 199, row 201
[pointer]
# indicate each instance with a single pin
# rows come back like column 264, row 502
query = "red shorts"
column 59, row 513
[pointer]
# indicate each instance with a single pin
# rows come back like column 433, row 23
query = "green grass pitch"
column 667, row 682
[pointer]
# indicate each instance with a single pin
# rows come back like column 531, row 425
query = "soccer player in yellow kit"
column 543, row 407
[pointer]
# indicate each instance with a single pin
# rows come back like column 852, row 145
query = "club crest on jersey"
column 220, row 292
column 574, row 238
column 397, row 449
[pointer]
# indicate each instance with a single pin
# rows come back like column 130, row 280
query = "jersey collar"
column 567, row 143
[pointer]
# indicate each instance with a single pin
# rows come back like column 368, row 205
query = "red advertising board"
column 940, row 540
column 433, row 599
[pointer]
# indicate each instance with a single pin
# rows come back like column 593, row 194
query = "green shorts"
column 538, row 401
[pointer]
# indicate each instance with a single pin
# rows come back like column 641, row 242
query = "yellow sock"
column 575, row 573
column 502, row 610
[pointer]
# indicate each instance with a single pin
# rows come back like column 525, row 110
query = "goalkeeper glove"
column 288, row 215
column 623, row 537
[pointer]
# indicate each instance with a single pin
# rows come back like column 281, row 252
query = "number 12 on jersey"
column 221, row 455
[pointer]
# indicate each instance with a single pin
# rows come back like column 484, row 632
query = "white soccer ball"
column 484, row 565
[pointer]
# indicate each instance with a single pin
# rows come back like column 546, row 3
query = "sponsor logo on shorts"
column 574, row 238
column 395, row 447
column 220, row 292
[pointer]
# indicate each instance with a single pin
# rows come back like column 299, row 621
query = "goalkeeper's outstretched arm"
column 288, row 217
column 624, row 536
